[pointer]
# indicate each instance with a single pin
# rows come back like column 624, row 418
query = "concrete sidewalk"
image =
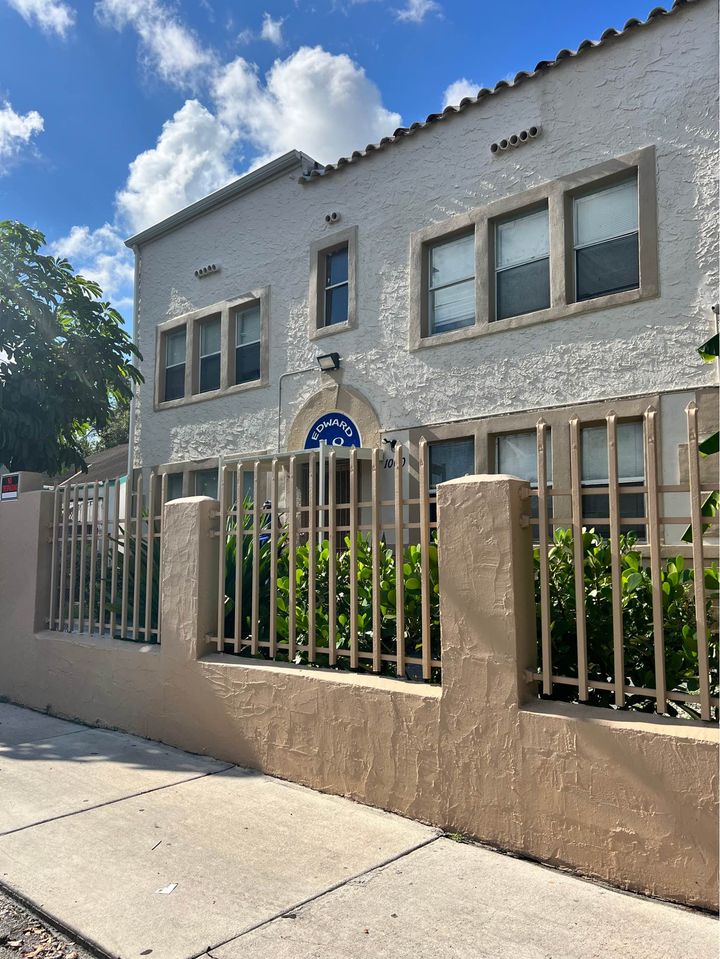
column 143, row 850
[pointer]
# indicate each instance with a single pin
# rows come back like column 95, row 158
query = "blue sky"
column 115, row 113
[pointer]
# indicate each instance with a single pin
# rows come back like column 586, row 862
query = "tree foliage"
column 65, row 359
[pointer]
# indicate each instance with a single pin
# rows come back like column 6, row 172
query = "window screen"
column 606, row 241
column 175, row 365
column 247, row 344
column 451, row 291
column 522, row 265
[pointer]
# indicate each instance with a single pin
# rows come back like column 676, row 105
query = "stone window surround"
column 485, row 431
column 192, row 322
column 316, row 293
column 557, row 196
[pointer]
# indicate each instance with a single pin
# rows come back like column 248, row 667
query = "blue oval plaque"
column 336, row 429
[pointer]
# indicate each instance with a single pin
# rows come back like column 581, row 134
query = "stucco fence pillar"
column 626, row 797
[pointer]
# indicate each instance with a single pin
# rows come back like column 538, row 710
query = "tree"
column 65, row 359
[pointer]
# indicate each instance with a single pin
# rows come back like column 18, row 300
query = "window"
column 206, row 483
column 522, row 265
column 631, row 472
column 606, row 241
column 175, row 365
column 209, row 356
column 450, row 459
column 174, row 486
column 247, row 344
column 451, row 284
column 337, row 286
column 516, row 455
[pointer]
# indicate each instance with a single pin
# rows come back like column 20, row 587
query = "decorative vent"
column 206, row 271
column 516, row 140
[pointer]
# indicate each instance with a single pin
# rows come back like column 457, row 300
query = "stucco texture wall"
column 655, row 85
column 630, row 799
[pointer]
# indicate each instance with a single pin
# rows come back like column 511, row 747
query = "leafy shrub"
column 411, row 575
column 677, row 582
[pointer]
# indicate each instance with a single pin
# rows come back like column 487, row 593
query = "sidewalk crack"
column 208, row 952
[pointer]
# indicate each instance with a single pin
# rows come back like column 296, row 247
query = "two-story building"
column 547, row 248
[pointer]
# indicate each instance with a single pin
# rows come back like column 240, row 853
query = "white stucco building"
column 467, row 289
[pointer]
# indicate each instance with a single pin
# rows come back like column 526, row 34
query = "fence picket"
column 579, row 559
column 615, row 575
column 698, row 560
column 424, row 505
column 399, row 573
column 655, row 558
column 545, row 643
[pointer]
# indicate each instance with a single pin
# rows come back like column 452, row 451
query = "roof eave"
column 244, row 184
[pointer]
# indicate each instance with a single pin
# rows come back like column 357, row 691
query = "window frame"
column 428, row 289
column 319, row 251
column 198, row 355
column 192, row 322
column 163, row 364
column 234, row 346
column 518, row 214
column 558, row 195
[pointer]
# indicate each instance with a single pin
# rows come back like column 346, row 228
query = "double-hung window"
column 206, row 483
column 631, row 472
column 247, row 344
column 605, row 225
column 451, row 284
column 209, row 355
column 174, row 365
column 522, row 265
column 337, row 285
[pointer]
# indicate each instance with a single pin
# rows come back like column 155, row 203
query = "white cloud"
column 459, row 89
column 16, row 131
column 52, row 16
column 169, row 46
column 189, row 161
column 272, row 30
column 314, row 101
column 100, row 255
column 415, row 11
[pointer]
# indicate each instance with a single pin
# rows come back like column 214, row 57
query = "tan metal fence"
column 629, row 619
column 318, row 568
column 105, row 572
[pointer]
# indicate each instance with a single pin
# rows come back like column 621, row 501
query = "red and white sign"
column 9, row 488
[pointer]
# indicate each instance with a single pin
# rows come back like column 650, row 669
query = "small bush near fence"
column 411, row 576
column 681, row 650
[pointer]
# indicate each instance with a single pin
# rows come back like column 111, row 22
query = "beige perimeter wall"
column 626, row 798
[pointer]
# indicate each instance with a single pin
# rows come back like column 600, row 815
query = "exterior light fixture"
column 329, row 362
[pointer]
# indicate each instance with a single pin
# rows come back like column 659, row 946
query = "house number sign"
column 335, row 429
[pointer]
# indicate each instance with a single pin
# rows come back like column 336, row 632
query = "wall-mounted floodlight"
column 329, row 362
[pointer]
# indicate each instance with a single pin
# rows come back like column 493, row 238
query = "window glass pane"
column 247, row 363
column 607, row 213
column 608, row 267
column 523, row 289
column 336, row 267
column 247, row 325
column 525, row 238
column 452, row 261
column 450, row 459
column 206, row 483
column 336, row 305
column 210, row 373
column 631, row 462
column 517, row 455
column 175, row 348
column 453, row 307
column 174, row 486
column 175, row 382
column 210, row 337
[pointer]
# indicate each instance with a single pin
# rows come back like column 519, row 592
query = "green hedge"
column 681, row 658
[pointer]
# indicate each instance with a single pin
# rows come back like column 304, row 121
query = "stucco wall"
column 627, row 798
column 656, row 85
